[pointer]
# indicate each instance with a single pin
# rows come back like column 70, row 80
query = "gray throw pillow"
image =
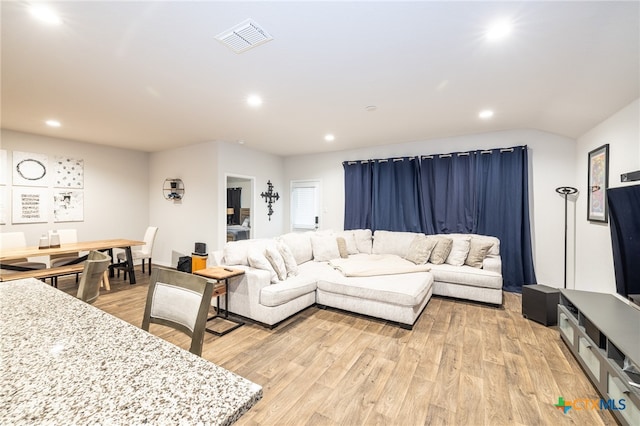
column 342, row 247
column 420, row 249
column 477, row 252
column 441, row 250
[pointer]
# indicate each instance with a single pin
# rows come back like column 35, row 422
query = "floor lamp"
column 566, row 191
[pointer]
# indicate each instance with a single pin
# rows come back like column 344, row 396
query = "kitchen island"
column 63, row 361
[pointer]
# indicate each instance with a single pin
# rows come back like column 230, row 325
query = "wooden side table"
column 221, row 275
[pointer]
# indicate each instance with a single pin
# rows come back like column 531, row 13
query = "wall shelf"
column 173, row 189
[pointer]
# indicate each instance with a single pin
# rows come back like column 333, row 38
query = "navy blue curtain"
column 503, row 211
column 395, row 200
column 483, row 192
column 357, row 194
column 448, row 193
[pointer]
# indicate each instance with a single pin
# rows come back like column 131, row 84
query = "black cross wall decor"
column 270, row 197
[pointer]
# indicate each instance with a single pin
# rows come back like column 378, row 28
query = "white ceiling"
column 152, row 76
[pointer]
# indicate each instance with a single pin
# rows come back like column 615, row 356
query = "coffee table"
column 221, row 275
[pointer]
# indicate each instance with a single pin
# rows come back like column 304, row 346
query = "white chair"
column 141, row 252
column 11, row 240
column 181, row 301
column 94, row 269
column 66, row 236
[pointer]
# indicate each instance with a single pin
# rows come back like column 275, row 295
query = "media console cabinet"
column 603, row 333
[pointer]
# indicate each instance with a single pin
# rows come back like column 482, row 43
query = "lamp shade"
column 230, row 210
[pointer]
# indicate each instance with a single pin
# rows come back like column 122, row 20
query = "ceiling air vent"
column 244, row 36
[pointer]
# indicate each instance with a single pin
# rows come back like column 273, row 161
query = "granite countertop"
column 63, row 361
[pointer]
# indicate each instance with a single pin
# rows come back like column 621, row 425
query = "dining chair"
column 141, row 252
column 11, row 240
column 180, row 301
column 94, row 268
column 66, row 236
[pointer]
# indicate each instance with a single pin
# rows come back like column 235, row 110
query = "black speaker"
column 630, row 176
column 184, row 264
column 201, row 249
column 540, row 303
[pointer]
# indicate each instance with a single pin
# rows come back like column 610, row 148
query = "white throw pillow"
column 300, row 245
column 289, row 260
column 459, row 251
column 325, row 248
column 235, row 252
column 364, row 240
column 277, row 262
column 258, row 260
column 350, row 240
column 392, row 242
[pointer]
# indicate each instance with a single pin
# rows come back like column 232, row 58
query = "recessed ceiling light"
column 486, row 114
column 53, row 123
column 254, row 101
column 45, row 14
column 498, row 30
column 329, row 137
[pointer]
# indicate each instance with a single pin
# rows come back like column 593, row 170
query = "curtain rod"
column 431, row 157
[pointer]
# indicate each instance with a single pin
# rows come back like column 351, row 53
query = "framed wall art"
column 30, row 205
column 30, row 169
column 3, row 166
column 4, row 205
column 68, row 206
column 68, row 173
column 597, row 184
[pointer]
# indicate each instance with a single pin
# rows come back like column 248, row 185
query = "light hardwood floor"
column 462, row 364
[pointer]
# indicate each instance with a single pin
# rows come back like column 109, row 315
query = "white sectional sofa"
column 388, row 275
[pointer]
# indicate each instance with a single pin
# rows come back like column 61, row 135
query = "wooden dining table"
column 18, row 271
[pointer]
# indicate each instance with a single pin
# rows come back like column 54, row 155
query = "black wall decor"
column 270, row 197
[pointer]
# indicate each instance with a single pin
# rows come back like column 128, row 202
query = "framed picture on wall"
column 597, row 184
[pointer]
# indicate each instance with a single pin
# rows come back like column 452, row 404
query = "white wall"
column 552, row 165
column 594, row 258
column 116, row 188
column 201, row 214
column 239, row 160
column 192, row 219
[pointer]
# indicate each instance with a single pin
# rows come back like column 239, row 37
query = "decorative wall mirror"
column 238, row 209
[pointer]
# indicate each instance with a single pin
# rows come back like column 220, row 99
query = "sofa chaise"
column 387, row 275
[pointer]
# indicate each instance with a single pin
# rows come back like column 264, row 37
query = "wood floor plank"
column 394, row 392
column 447, row 379
column 470, row 390
column 472, row 352
column 463, row 363
column 415, row 410
column 521, row 395
column 430, row 356
column 498, row 409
